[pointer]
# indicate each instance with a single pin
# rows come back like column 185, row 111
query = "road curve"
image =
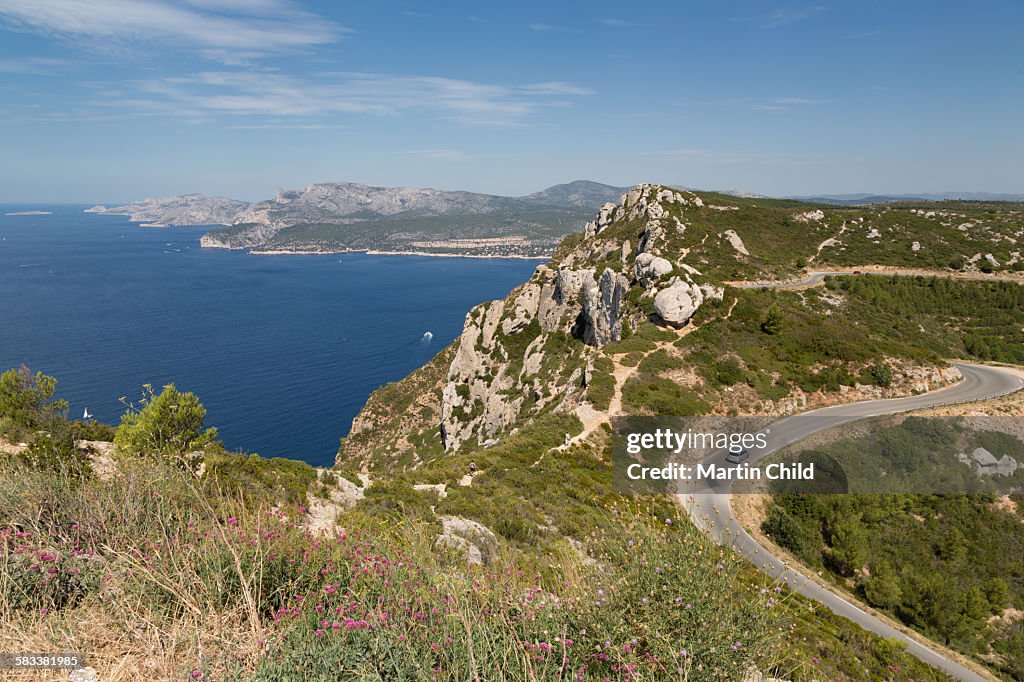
column 711, row 511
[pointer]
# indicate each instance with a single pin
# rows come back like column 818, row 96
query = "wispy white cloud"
column 621, row 23
column 771, row 104
column 39, row 66
column 784, row 16
column 212, row 94
column 550, row 28
column 555, row 88
column 797, row 100
column 730, row 156
column 221, row 29
column 438, row 154
column 271, row 125
column 864, row 34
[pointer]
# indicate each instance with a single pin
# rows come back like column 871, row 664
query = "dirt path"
column 593, row 418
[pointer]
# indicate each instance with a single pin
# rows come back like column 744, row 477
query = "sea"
column 282, row 350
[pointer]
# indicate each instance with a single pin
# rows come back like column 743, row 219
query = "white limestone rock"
column 809, row 216
column 601, row 305
column 651, row 268
column 736, row 242
column 604, row 216
column 524, row 309
column 677, row 303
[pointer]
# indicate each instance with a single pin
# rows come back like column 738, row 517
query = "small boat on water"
column 85, row 415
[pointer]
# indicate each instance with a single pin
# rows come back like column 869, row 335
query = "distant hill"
column 582, row 193
column 340, row 216
column 187, row 209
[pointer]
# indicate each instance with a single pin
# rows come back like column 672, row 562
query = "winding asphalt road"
column 816, row 277
column 711, row 511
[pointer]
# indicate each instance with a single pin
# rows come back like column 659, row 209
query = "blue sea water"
column 282, row 350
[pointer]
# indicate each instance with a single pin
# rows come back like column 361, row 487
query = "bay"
column 282, row 350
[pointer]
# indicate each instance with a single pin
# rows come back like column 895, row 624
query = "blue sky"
column 115, row 100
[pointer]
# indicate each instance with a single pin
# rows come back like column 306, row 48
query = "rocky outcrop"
column 503, row 364
column 809, row 216
column 473, row 400
column 601, row 306
column 476, row 541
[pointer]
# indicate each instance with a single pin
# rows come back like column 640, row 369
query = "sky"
column 108, row 101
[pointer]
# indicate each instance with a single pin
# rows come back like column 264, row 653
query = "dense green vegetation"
column 649, row 392
column 950, row 566
column 917, row 454
column 27, row 403
column 943, row 564
column 963, row 319
column 30, row 413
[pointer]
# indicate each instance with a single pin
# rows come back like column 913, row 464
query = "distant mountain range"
column 855, row 199
column 327, row 217
column 343, row 216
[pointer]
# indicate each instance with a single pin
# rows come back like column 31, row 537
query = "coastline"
column 328, row 252
column 377, row 252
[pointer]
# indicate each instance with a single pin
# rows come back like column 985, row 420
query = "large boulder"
column 651, row 268
column 677, row 304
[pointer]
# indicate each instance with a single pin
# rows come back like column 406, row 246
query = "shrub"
column 729, row 372
column 167, row 427
column 56, row 452
column 774, row 321
column 881, row 374
column 27, row 402
column 602, row 383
